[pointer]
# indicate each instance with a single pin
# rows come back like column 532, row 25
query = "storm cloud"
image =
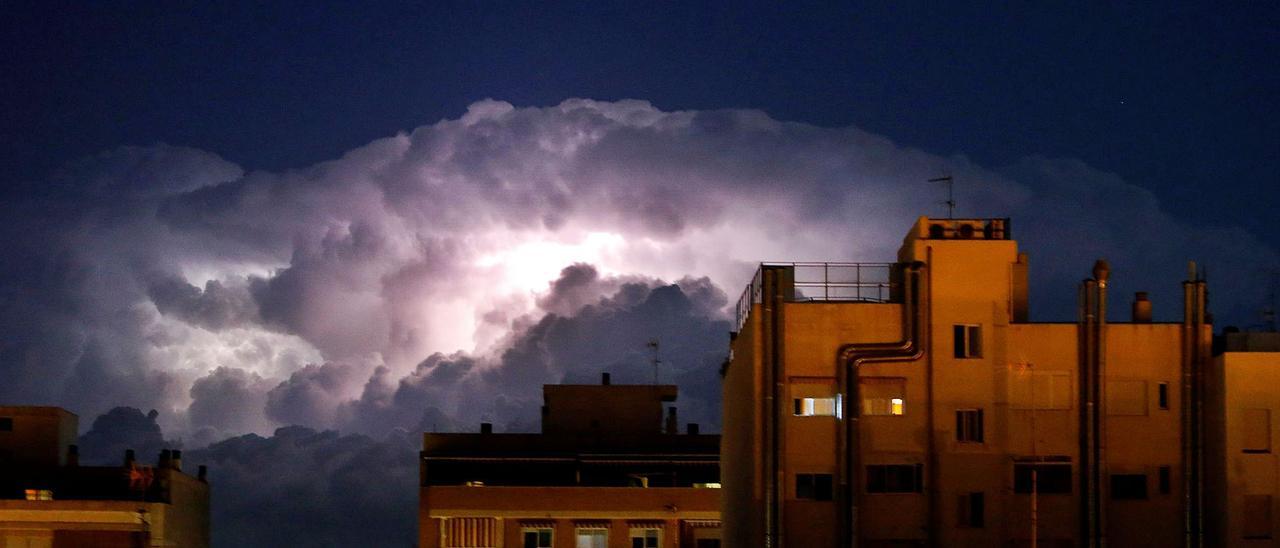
column 435, row 279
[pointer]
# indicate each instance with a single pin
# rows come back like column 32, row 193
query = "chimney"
column 73, row 455
column 486, row 428
column 202, row 473
column 672, row 426
column 166, row 457
column 176, row 463
column 604, row 378
column 692, row 429
column 129, row 458
column 1141, row 308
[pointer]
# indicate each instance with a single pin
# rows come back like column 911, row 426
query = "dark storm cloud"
column 217, row 306
column 120, row 429
column 228, row 400
column 311, row 395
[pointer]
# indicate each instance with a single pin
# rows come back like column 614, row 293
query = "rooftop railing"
column 838, row 282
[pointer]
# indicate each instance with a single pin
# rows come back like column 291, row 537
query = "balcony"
column 824, row 282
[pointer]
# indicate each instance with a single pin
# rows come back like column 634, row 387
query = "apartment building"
column 912, row 403
column 1244, row 397
column 48, row 500
column 608, row 470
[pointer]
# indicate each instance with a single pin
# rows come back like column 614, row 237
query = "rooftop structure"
column 47, row 499
column 608, row 469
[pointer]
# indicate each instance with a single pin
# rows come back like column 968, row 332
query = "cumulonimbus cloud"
column 430, row 266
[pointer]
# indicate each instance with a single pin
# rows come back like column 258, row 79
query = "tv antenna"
column 653, row 346
column 1269, row 311
column 951, row 194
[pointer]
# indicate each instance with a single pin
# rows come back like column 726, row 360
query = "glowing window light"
column 39, row 494
column 896, row 406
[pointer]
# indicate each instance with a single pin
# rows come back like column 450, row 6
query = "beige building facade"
column 48, row 500
column 608, row 470
column 913, row 404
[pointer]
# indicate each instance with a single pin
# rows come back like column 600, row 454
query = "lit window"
column 645, row 537
column 707, row 485
column 816, row 407
column 537, row 537
column 883, row 395
column 591, row 538
column 39, row 494
column 968, row 341
column 969, row 425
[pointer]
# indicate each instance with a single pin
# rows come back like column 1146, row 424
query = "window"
column 1257, row 431
column 1163, row 478
column 968, row 341
column 1051, row 478
column 969, row 425
column 813, row 486
column 816, row 407
column 646, row 537
column 6, row 424
column 895, row 478
column 1162, row 395
column 883, row 395
column 537, row 537
column 707, row 543
column 1129, row 486
column 1041, row 390
column 1257, row 516
column 39, row 494
column 471, row 532
column 591, row 538
column 971, row 510
column 1127, row 398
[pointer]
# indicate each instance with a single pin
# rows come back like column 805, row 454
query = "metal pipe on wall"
column 849, row 359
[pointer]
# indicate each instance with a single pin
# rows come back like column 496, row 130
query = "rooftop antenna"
column 653, row 346
column 1269, row 311
column 951, row 194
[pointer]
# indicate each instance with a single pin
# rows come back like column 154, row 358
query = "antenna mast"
column 951, row 194
column 653, row 345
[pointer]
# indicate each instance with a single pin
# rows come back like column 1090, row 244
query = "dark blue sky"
column 1179, row 99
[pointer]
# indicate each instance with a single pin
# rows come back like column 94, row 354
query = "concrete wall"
column 40, row 435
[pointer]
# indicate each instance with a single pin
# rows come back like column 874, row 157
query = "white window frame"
column 580, row 531
column 644, row 533
column 965, row 347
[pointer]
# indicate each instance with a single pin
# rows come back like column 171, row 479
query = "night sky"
column 306, row 235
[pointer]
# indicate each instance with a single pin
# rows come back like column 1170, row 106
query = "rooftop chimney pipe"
column 1141, row 308
column 604, row 379
column 486, row 428
column 165, row 459
column 202, row 473
column 176, row 463
column 693, row 429
column 73, row 455
column 129, row 458
column 672, row 426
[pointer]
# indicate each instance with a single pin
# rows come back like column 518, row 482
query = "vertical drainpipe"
column 1193, row 356
column 1101, row 272
column 773, row 296
column 849, row 359
column 1092, row 375
column 1085, row 413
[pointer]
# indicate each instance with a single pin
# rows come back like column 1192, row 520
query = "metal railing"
column 812, row 281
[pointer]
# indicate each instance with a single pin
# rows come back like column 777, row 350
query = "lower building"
column 1241, row 432
column 48, row 500
column 604, row 473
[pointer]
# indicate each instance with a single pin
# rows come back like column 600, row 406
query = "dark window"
column 1163, row 477
column 813, row 486
column 6, row 424
column 1162, row 396
column 971, row 510
column 1257, row 516
column 1051, row 478
column 969, row 425
column 968, row 341
column 1129, row 486
column 895, row 478
column 708, row 543
column 537, row 538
